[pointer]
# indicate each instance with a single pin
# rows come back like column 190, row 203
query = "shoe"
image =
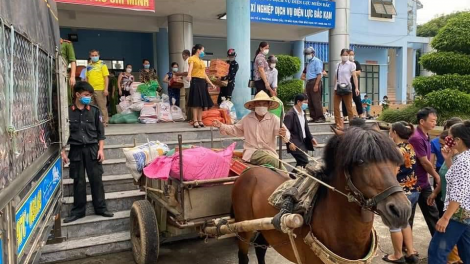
column 196, row 126
column 320, row 121
column 386, row 259
column 412, row 259
column 201, row 124
column 72, row 218
column 106, row 214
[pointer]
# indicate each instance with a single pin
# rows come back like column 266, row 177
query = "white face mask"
column 309, row 57
column 273, row 65
column 344, row 58
column 266, row 52
column 261, row 110
column 128, row 70
column 351, row 58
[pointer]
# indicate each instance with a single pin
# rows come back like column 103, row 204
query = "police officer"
column 86, row 153
column 232, row 73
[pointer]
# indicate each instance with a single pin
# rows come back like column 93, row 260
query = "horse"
column 362, row 158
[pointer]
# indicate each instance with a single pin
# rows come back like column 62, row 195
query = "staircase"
column 96, row 235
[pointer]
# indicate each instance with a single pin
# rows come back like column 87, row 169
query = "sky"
column 433, row 8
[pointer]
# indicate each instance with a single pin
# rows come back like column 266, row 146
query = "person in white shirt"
column 301, row 138
column 272, row 72
column 185, row 91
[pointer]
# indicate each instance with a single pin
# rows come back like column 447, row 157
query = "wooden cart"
column 176, row 209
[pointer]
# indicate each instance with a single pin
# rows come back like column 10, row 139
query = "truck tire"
column 145, row 238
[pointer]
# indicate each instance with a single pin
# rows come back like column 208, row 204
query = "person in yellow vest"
column 97, row 75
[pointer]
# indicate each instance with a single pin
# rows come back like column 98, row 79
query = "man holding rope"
column 260, row 130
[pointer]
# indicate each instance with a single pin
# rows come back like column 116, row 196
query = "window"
column 382, row 9
column 112, row 64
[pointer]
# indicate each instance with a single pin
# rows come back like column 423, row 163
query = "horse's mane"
column 356, row 146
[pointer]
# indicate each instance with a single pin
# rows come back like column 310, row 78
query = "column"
column 162, row 56
column 401, row 78
column 338, row 39
column 298, row 51
column 238, row 37
column 180, row 37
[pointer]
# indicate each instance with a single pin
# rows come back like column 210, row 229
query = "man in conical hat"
column 260, row 130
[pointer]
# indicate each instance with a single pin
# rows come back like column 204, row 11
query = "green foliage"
column 447, row 101
column 289, row 89
column 431, row 28
column 455, row 36
column 287, row 66
column 424, row 85
column 446, row 62
column 407, row 114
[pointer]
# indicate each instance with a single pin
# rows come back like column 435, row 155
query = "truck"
column 33, row 128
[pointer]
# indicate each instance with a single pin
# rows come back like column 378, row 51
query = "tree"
column 431, row 28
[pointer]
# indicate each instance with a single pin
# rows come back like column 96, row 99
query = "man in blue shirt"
column 313, row 75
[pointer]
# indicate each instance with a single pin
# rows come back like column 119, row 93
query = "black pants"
column 357, row 101
column 226, row 92
column 84, row 158
column 259, row 85
column 300, row 158
column 430, row 213
column 439, row 202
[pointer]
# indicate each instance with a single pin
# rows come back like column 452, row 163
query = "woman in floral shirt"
column 400, row 133
column 454, row 226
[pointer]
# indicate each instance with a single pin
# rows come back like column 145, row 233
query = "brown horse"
column 370, row 158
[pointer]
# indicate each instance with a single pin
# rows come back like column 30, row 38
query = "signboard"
column 317, row 13
column 137, row 5
column 1, row 252
column 29, row 213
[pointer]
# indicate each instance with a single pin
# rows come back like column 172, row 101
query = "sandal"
column 386, row 259
column 196, row 125
column 201, row 124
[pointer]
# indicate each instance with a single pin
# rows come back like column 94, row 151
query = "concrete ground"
column 225, row 251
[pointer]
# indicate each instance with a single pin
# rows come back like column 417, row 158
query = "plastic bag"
column 148, row 111
column 176, row 112
column 164, row 112
column 278, row 111
column 138, row 157
column 228, row 105
column 124, row 105
column 148, row 89
column 125, row 118
column 136, row 97
column 137, row 107
column 134, row 87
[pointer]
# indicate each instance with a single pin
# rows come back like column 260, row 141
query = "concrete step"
column 86, row 247
column 95, row 225
column 169, row 132
column 115, row 201
column 110, row 167
column 112, row 183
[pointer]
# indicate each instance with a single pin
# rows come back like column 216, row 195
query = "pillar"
column 338, row 39
column 162, row 56
column 239, row 38
column 180, row 37
column 402, row 73
column 298, row 51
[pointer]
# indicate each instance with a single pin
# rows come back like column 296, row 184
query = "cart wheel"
column 144, row 233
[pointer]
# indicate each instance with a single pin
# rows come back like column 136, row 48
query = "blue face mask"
column 202, row 54
column 86, row 100
column 304, row 106
column 95, row 59
column 147, row 66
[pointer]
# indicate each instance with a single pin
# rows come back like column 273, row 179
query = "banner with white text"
column 136, row 5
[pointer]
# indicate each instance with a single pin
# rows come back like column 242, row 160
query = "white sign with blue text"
column 317, row 13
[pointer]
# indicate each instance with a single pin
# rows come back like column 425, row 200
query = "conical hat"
column 261, row 97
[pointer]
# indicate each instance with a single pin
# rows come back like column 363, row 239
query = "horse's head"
column 365, row 161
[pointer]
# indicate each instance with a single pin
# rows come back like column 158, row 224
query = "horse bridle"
column 369, row 204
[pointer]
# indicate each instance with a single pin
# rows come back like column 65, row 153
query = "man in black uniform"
column 227, row 91
column 86, row 153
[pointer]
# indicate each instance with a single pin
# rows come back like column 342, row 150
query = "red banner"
column 137, row 5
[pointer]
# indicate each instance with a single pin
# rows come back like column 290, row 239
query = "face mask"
column 128, row 70
column 273, row 65
column 344, row 58
column 450, row 142
column 304, row 106
column 309, row 57
column 147, row 66
column 261, row 110
column 266, row 52
column 175, row 69
column 202, row 54
column 86, row 100
column 95, row 59
column 351, row 58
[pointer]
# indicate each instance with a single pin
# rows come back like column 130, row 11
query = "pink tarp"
column 198, row 164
